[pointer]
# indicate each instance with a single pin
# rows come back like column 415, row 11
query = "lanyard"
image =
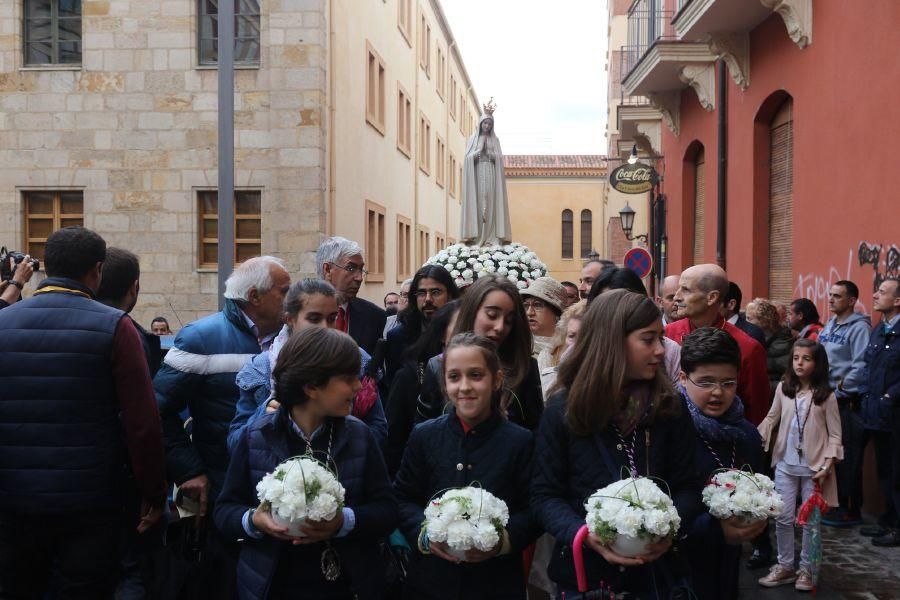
column 716, row 454
column 801, row 426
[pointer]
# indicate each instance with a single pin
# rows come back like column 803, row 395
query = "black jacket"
column 569, row 468
column 752, row 330
column 401, row 412
column 495, row 455
column 779, row 347
column 366, row 323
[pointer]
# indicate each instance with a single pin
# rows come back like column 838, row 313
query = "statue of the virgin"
column 485, row 212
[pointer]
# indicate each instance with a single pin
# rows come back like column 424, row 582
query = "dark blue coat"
column 882, row 376
column 496, row 455
column 61, row 443
column 569, row 468
column 198, row 374
column 715, row 564
column 266, row 443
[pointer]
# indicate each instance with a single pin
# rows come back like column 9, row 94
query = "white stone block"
column 155, row 121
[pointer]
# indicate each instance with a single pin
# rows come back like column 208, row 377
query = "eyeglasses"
column 535, row 305
column 433, row 292
column 726, row 386
column 351, row 268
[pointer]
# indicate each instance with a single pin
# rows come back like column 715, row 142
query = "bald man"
column 701, row 292
column 666, row 299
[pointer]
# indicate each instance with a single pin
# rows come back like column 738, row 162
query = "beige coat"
column 821, row 436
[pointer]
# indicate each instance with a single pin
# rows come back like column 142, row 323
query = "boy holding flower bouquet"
column 710, row 362
column 316, row 379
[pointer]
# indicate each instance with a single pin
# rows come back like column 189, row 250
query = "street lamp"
column 626, row 215
column 634, row 156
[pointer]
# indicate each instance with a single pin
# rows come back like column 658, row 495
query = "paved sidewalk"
column 852, row 569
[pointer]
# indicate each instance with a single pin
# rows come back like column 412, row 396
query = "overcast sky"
column 544, row 63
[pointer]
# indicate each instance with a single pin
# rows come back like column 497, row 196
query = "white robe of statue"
column 485, row 212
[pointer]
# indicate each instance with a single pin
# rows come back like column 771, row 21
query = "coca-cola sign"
column 633, row 179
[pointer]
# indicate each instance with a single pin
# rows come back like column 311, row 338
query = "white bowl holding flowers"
column 466, row 518
column 630, row 514
column 300, row 489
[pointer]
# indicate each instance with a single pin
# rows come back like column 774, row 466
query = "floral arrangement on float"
column 630, row 514
column 300, row 489
column 466, row 518
column 467, row 263
column 734, row 493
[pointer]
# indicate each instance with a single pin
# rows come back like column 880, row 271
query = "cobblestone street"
column 852, row 569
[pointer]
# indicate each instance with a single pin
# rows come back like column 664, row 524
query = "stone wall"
column 135, row 128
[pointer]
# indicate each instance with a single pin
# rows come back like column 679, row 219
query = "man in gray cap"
column 543, row 301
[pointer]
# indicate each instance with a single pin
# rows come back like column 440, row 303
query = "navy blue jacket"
column 198, row 373
column 715, row 564
column 882, row 376
column 266, row 443
column 495, row 455
column 61, row 443
column 569, row 468
column 752, row 330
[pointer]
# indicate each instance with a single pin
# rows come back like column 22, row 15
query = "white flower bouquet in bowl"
column 513, row 261
column 466, row 518
column 301, row 489
column 630, row 514
column 750, row 496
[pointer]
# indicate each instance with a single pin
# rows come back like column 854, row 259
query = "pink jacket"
column 821, row 436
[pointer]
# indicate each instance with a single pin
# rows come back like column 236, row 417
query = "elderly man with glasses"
column 340, row 262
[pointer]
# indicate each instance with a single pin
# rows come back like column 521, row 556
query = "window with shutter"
column 699, row 206
column 568, row 235
column 781, row 183
column 587, row 240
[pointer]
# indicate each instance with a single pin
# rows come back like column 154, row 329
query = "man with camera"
column 16, row 270
column 76, row 407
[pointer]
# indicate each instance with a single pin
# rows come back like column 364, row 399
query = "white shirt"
column 264, row 342
column 733, row 319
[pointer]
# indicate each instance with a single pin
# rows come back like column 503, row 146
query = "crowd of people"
column 126, row 472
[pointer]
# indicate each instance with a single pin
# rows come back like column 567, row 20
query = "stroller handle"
column 578, row 558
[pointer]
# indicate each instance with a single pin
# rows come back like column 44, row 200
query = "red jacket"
column 753, row 379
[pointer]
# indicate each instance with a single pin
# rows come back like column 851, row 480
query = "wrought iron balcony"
column 647, row 23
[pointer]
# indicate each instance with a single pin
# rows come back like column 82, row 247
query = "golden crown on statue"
column 490, row 107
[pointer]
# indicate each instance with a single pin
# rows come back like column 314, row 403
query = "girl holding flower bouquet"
column 613, row 412
column 807, row 445
column 316, row 379
column 473, row 445
column 710, row 362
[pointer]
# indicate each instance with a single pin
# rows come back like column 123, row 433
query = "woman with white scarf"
column 308, row 303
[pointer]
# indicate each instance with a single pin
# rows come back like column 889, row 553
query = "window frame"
column 404, row 248
column 405, row 24
column 203, row 216
column 589, row 222
column 54, row 37
column 440, row 161
column 56, row 216
column 404, row 121
column 452, row 187
column 376, row 218
column 567, row 251
column 376, row 89
column 424, row 141
column 423, row 243
column 200, row 4
column 425, row 45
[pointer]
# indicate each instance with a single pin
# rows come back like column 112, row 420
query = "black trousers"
column 895, row 456
column 849, row 482
column 80, row 551
column 881, row 443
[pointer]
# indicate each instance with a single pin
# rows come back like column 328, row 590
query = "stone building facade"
column 118, row 130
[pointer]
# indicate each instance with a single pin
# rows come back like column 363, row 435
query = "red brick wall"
column 617, row 244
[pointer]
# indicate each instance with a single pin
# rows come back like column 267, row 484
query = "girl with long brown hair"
column 613, row 412
column 492, row 307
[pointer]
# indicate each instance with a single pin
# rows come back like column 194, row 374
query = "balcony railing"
column 647, row 23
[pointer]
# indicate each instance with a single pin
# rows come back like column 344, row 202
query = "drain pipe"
column 722, row 191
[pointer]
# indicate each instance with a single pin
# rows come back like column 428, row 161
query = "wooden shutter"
column 568, row 234
column 781, row 219
column 699, row 206
column 587, row 239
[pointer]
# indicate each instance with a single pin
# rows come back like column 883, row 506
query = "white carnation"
column 301, row 488
column 466, row 518
column 634, row 507
column 737, row 493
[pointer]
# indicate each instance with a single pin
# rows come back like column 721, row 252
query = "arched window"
column 699, row 205
column 568, row 235
column 781, row 211
column 587, row 239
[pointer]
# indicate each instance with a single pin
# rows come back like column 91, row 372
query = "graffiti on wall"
column 884, row 260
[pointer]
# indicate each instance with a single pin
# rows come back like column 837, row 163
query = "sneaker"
column 889, row 540
column 872, row 531
column 760, row 559
column 778, row 575
column 804, row 581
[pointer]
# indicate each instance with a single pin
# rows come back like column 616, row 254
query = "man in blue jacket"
column 881, row 407
column 845, row 338
column 199, row 373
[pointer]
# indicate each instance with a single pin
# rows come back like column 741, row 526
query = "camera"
column 6, row 272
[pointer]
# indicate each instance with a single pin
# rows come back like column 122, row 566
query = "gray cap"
column 547, row 289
